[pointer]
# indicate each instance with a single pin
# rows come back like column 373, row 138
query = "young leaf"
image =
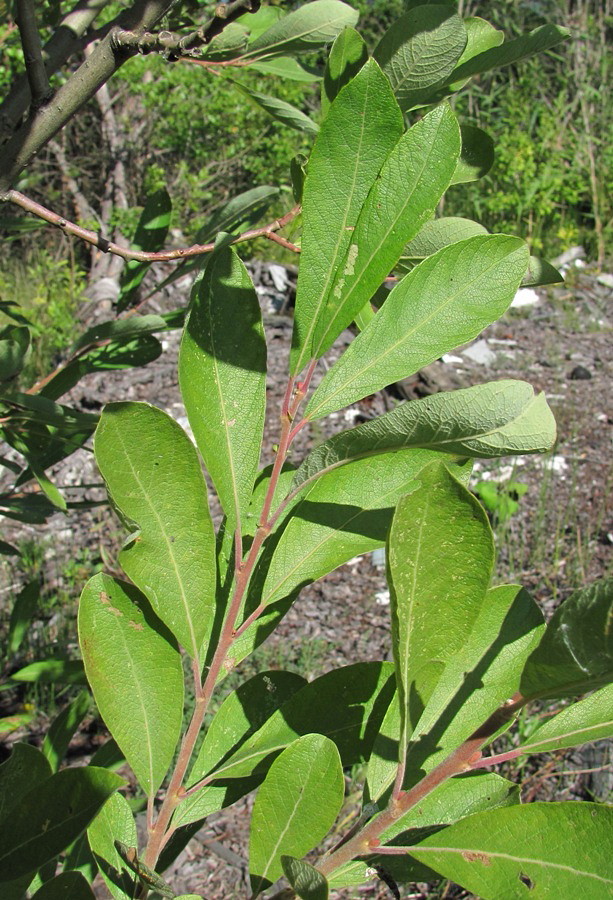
column 306, row 28
column 486, row 420
column 307, row 882
column 419, row 50
column 576, row 652
column 445, row 301
column 436, row 594
column 295, row 807
column 66, row 886
column 115, row 821
column 51, row 816
column 404, row 196
column 150, row 235
column 362, row 126
column 347, row 56
column 280, row 110
column 63, row 728
column 476, row 157
column 542, row 850
column 222, row 373
column 153, row 476
column 134, row 668
column 588, row 720
column 21, row 615
column 23, row 770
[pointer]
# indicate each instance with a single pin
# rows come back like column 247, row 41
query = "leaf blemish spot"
column 137, row 626
column 526, row 881
column 474, row 856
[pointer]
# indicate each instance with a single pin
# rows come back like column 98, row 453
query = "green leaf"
column 49, row 489
column 306, row 28
column 588, row 720
column 23, row 770
column 51, row 816
column 419, row 50
column 441, row 556
column 481, row 36
column 228, row 43
column 576, row 652
column 63, row 727
column 135, row 672
column 404, row 196
column 21, row 615
column 361, row 128
column 14, row 344
column 115, row 821
column 52, row 671
column 445, row 301
column 222, row 373
column 541, row 272
column 486, row 420
column 120, row 328
column 67, row 886
column 307, row 882
column 280, row 110
column 286, row 67
column 153, row 476
column 261, row 20
column 346, row 704
column 150, row 235
column 347, row 56
column 295, row 807
column 477, row 155
column 436, row 234
column 240, row 715
column 542, row 850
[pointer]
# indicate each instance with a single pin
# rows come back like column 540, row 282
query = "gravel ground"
column 561, row 536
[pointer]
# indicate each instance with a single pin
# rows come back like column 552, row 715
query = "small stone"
column 606, row 279
column 580, row 373
column 525, row 297
column 480, row 353
column 279, row 276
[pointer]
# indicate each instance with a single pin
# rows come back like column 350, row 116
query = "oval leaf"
column 114, row 822
column 134, row 668
column 152, row 472
column 308, row 883
column 306, row 28
column 295, row 807
column 588, row 720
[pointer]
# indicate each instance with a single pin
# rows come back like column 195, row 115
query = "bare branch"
column 92, row 237
column 40, row 89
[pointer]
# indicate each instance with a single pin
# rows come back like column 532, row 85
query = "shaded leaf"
column 120, row 328
column 150, row 235
column 66, row 886
column 285, row 67
column 347, row 56
column 444, row 301
column 542, row 850
column 307, row 882
column 486, row 420
column 362, row 126
column 306, row 28
column 21, row 614
column 476, row 157
column 543, row 38
column 295, row 807
column 51, row 816
column 24, row 769
column 153, row 475
column 52, row 671
column 63, row 728
column 134, row 668
column 115, row 821
column 588, row 720
column 14, row 344
column 280, row 110
column 405, row 194
column 541, row 272
column 436, row 234
column 222, row 373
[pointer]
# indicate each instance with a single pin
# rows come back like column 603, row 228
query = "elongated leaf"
column 114, row 822
column 576, row 652
column 66, row 886
column 51, row 816
column 280, row 110
column 286, row 67
column 347, row 705
column 477, row 156
column 451, row 801
column 23, row 770
column 420, row 49
column 308, row 883
column 487, row 420
column 445, row 301
column 409, row 186
column 295, row 807
column 150, row 235
column 52, row 671
column 441, row 556
column 21, row 615
column 362, row 126
column 153, row 476
column 134, row 668
column 588, row 720
column 63, row 728
column 306, row 28
column 120, row 328
column 241, row 714
column 481, row 675
column 222, row 373
column 228, row 43
column 439, row 233
column 541, row 850
column 347, row 56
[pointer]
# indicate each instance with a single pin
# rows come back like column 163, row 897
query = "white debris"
column 555, row 464
column 480, row 353
column 279, row 277
column 450, row 359
column 606, row 279
column 353, row 561
column 350, row 415
column 382, row 598
column 525, row 297
column 378, row 558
